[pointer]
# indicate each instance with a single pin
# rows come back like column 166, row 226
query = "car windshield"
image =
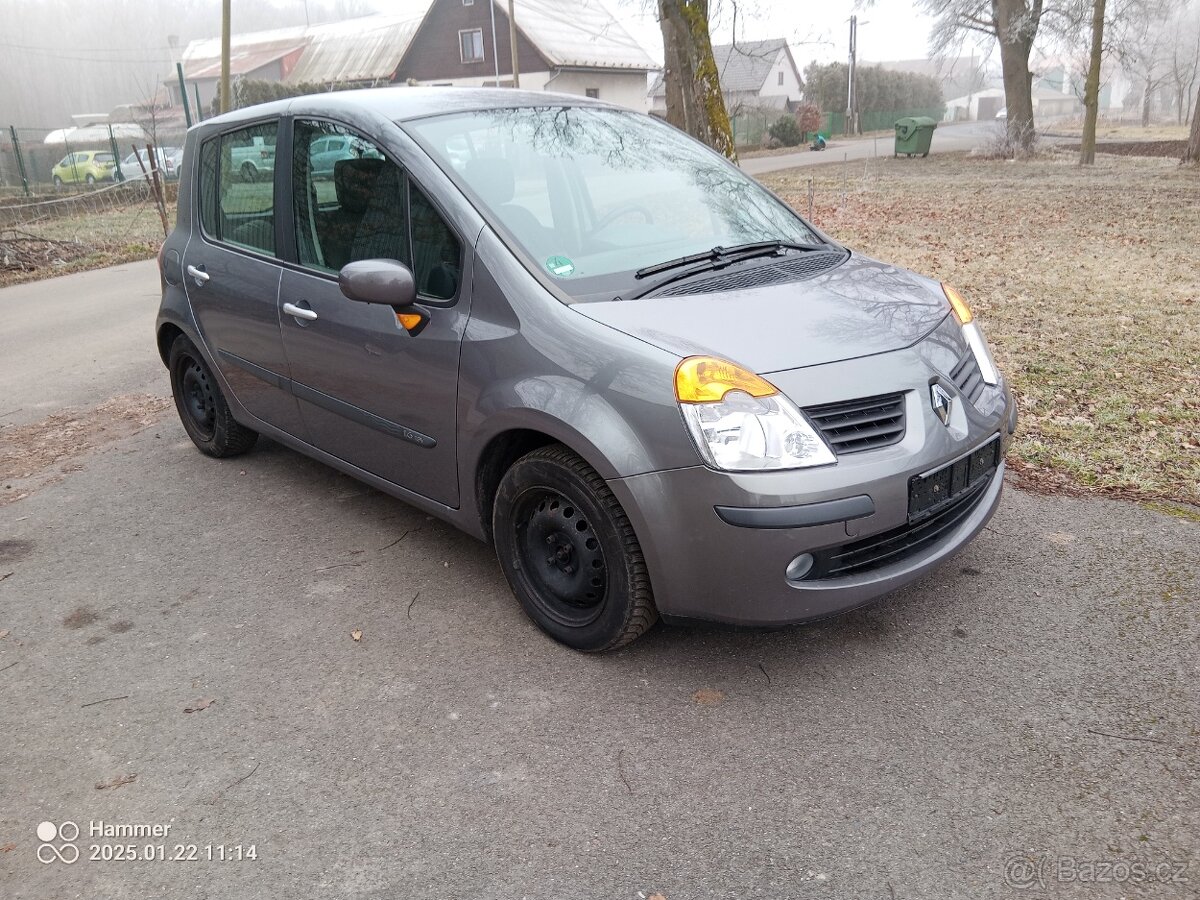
column 593, row 194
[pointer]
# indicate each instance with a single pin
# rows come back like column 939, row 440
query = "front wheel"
column 58, row 183
column 569, row 552
column 249, row 173
column 202, row 408
column 91, row 180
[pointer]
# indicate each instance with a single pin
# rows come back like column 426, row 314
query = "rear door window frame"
column 198, row 193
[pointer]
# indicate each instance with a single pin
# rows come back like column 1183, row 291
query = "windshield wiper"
column 757, row 248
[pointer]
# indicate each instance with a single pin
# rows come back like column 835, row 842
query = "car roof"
column 404, row 102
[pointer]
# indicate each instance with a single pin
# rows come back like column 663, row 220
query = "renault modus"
column 576, row 333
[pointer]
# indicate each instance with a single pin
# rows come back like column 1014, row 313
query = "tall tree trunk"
column 1192, row 153
column 1016, row 27
column 1147, row 94
column 1091, row 88
column 695, row 103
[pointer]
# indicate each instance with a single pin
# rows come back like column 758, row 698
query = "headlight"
column 741, row 423
column 973, row 335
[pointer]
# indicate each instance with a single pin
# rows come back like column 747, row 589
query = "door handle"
column 199, row 274
column 300, row 312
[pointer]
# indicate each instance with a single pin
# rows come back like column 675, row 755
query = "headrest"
column 354, row 181
column 492, row 179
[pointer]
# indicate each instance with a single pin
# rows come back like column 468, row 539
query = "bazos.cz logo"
column 64, row 851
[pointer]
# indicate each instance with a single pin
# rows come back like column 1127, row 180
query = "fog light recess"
column 799, row 567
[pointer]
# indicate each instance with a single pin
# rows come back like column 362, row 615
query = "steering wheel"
column 613, row 214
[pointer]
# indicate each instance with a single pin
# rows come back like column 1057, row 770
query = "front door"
column 370, row 392
column 232, row 280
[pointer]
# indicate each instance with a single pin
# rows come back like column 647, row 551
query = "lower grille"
column 851, row 426
column 895, row 545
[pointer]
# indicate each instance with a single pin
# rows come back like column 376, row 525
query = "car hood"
column 860, row 308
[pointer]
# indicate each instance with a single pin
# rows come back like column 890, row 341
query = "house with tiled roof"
column 570, row 46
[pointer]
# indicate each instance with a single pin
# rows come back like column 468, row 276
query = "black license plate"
column 928, row 493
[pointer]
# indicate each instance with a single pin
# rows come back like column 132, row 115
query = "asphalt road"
column 946, row 138
column 1026, row 715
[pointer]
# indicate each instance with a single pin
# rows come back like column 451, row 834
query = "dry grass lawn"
column 1087, row 282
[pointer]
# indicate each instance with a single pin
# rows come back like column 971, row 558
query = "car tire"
column 569, row 552
column 91, row 180
column 202, row 409
column 249, row 173
column 58, row 183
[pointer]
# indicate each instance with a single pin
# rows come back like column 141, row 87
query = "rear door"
column 232, row 273
column 370, row 392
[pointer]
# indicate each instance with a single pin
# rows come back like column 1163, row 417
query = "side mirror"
column 386, row 281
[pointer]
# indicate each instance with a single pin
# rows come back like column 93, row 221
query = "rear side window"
column 237, row 188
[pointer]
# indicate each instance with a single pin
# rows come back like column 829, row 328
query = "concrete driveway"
column 1022, row 723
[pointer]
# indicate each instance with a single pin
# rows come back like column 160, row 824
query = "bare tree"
column 695, row 103
column 1091, row 90
column 1014, row 24
column 1192, row 153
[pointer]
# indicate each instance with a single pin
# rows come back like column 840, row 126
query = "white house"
column 754, row 75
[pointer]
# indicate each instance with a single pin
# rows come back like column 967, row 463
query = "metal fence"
column 27, row 160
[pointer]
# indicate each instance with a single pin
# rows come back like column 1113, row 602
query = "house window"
column 470, row 45
column 468, row 2
column 780, row 76
column 594, row 93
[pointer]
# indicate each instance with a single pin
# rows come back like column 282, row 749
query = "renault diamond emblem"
column 942, row 402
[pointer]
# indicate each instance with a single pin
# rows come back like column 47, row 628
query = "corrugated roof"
column 578, row 33
column 367, row 49
column 743, row 66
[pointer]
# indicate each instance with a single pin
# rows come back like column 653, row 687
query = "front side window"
column 237, row 189
column 352, row 203
column 592, row 193
column 470, row 45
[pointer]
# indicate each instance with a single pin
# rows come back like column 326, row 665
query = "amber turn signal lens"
column 962, row 312
column 408, row 321
column 707, row 379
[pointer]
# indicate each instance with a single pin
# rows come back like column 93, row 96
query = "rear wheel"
column 202, row 408
column 91, row 179
column 569, row 552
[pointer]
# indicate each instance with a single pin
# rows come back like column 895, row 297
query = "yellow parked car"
column 83, row 167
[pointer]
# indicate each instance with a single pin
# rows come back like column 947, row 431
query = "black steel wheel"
column 249, row 173
column 205, row 415
column 569, row 552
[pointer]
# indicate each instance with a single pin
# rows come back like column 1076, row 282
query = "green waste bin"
column 913, row 134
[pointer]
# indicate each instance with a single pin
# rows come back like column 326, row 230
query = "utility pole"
column 225, row 97
column 495, row 46
column 851, row 106
column 512, row 40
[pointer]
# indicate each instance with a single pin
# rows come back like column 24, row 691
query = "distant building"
column 986, row 104
column 571, row 46
column 755, row 75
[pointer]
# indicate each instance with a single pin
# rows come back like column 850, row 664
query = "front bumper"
column 705, row 566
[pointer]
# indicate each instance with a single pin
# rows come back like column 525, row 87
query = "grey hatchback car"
column 574, row 332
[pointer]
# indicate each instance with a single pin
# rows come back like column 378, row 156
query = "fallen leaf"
column 8, row 848
column 1060, row 538
column 657, row 897
column 708, row 697
column 356, row 634
column 117, row 782
column 198, row 705
column 3, row 634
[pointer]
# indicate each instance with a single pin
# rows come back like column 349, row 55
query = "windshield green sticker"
column 560, row 266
